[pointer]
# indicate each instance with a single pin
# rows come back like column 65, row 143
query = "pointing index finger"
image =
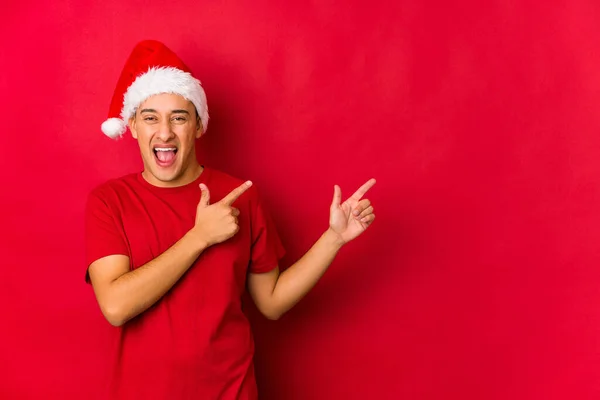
column 363, row 189
column 235, row 193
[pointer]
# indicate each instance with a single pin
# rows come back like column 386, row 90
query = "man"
column 171, row 250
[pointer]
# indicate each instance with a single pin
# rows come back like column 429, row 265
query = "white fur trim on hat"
column 157, row 80
column 165, row 80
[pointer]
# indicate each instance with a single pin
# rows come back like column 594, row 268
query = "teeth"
column 163, row 149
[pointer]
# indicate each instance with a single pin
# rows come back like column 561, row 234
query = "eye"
column 150, row 118
column 179, row 119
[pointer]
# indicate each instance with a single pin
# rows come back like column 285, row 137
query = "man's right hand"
column 215, row 223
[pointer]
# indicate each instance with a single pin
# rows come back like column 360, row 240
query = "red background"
column 480, row 278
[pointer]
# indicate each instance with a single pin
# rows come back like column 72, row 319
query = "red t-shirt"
column 195, row 342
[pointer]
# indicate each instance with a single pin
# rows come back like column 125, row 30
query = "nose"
column 164, row 130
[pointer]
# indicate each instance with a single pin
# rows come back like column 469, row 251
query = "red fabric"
column 194, row 343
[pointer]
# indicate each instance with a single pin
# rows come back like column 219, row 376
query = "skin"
column 169, row 120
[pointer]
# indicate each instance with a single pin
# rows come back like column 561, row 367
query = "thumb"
column 204, row 196
column 337, row 196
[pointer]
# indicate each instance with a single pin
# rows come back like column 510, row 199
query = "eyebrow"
column 151, row 110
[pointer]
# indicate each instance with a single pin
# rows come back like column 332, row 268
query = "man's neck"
column 190, row 175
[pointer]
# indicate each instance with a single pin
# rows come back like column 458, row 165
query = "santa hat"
column 151, row 69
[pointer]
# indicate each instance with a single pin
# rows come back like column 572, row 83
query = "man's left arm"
column 274, row 293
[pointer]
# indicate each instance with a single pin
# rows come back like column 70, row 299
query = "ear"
column 199, row 128
column 132, row 126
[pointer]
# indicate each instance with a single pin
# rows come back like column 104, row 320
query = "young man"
column 171, row 250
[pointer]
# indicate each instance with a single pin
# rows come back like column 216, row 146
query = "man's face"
column 166, row 127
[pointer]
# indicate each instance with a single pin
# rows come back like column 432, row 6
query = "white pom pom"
column 114, row 127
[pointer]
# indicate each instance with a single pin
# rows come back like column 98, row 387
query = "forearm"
column 297, row 280
column 136, row 291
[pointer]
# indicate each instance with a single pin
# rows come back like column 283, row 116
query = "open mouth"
column 165, row 156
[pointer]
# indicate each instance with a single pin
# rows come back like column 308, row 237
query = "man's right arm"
column 123, row 293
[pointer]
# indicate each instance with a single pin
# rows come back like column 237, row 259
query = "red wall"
column 480, row 278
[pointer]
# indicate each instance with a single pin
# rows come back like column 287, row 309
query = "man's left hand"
column 352, row 217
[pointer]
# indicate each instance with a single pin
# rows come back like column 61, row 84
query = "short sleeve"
column 267, row 249
column 104, row 235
